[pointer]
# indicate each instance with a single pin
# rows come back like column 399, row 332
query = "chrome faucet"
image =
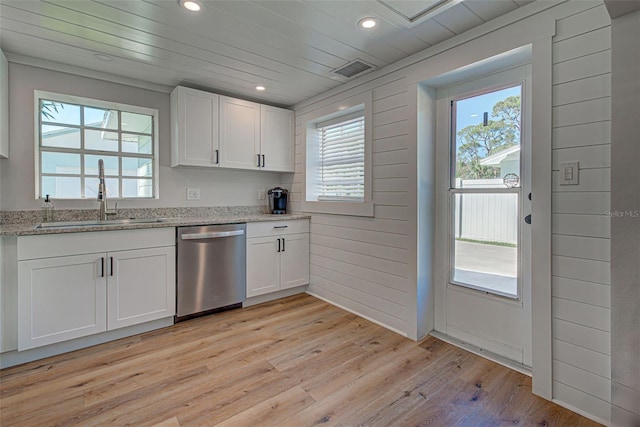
column 103, row 212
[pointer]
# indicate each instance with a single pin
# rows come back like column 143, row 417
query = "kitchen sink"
column 94, row 223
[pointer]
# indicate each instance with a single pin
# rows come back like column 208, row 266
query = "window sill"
column 339, row 208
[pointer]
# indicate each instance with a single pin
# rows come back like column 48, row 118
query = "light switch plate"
column 193, row 194
column 261, row 194
column 569, row 173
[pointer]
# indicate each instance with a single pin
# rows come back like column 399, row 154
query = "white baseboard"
column 274, row 295
column 15, row 357
column 358, row 314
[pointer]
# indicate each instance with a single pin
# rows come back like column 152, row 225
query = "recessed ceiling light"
column 260, row 88
column 367, row 23
column 103, row 57
column 190, row 5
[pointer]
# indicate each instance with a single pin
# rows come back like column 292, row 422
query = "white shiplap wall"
column 363, row 263
column 581, row 230
column 359, row 263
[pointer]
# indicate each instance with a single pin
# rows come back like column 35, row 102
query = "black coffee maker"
column 278, row 200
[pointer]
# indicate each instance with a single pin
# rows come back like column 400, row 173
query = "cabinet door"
column 276, row 138
column 60, row 299
column 239, row 133
column 294, row 261
column 263, row 266
column 141, row 286
column 194, row 124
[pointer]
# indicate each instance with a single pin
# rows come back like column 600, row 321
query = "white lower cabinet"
column 140, row 286
column 263, row 266
column 79, row 294
column 277, row 256
column 294, row 261
column 60, row 299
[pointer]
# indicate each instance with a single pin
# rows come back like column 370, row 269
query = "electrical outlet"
column 261, row 194
column 193, row 194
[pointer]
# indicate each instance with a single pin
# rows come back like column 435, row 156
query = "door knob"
column 527, row 219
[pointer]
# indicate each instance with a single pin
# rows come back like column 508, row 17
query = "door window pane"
column 485, row 242
column 487, row 147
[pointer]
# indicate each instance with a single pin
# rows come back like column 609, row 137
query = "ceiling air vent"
column 353, row 68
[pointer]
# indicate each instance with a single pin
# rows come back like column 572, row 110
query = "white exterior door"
column 141, row 286
column 60, row 299
column 483, row 289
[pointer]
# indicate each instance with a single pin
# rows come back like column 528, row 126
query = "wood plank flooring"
column 293, row 362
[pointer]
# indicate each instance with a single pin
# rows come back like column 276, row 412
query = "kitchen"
column 375, row 259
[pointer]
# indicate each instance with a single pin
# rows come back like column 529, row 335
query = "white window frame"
column 311, row 204
column 519, row 190
column 95, row 103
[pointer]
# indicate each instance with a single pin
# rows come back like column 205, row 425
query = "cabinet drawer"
column 47, row 246
column 277, row 228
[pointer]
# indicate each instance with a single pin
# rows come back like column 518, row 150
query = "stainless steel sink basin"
column 95, row 223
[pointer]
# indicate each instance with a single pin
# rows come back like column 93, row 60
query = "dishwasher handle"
column 212, row 235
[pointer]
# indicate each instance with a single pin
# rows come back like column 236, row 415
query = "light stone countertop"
column 31, row 230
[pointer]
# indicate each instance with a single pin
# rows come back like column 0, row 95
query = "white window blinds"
column 341, row 171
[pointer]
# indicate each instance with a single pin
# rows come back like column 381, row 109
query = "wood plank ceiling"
column 289, row 46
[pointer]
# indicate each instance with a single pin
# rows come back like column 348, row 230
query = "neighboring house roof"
column 511, row 153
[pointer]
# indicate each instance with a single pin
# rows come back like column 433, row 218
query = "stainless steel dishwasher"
column 211, row 269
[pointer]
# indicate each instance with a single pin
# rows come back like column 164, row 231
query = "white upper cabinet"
column 276, row 139
column 239, row 133
column 194, row 128
column 4, row 107
column 219, row 131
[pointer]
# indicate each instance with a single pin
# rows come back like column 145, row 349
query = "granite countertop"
column 31, row 230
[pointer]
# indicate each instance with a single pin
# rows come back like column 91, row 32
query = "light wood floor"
column 293, row 362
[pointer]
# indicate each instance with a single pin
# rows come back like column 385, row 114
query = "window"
column 74, row 133
column 338, row 159
column 341, row 154
column 486, row 190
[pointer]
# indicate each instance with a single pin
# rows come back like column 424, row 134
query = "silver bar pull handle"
column 212, row 235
